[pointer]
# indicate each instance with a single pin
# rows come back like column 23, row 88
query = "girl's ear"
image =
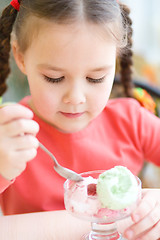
column 18, row 56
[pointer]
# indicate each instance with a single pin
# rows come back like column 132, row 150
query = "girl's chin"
column 70, row 128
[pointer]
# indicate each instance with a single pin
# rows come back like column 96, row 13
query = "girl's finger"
column 24, row 142
column 20, row 126
column 14, row 111
column 16, row 162
column 24, row 155
column 146, row 223
column 152, row 234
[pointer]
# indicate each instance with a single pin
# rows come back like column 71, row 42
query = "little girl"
column 68, row 51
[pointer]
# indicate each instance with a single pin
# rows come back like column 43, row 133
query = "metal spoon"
column 64, row 172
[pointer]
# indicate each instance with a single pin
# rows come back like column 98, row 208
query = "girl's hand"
column 146, row 218
column 18, row 143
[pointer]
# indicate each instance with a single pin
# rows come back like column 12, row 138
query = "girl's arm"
column 56, row 225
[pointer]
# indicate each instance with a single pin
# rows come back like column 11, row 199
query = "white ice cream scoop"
column 117, row 188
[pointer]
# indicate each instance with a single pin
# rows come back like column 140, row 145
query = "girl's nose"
column 74, row 95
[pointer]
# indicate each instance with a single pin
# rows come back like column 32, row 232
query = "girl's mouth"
column 72, row 115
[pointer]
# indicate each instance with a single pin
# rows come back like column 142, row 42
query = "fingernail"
column 129, row 234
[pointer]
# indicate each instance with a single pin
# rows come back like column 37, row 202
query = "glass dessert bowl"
column 82, row 201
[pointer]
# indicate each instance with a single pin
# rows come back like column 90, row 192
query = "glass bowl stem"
column 102, row 231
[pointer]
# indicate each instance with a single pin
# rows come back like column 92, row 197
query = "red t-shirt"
column 123, row 134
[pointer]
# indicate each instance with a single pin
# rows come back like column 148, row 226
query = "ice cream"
column 117, row 188
column 82, row 198
column 104, row 196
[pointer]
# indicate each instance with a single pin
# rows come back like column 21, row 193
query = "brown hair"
column 113, row 16
column 126, row 60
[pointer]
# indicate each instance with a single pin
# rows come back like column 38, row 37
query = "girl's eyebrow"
column 103, row 68
column 54, row 68
column 49, row 67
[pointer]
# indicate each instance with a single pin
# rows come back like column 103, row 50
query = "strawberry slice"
column 91, row 189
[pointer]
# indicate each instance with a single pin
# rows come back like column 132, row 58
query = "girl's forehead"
column 41, row 29
column 64, row 38
column 69, row 32
column 71, row 49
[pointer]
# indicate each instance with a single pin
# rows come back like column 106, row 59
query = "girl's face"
column 70, row 70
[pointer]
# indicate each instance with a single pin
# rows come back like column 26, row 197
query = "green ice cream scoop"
column 117, row 188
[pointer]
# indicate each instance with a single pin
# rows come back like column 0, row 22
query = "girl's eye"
column 96, row 80
column 53, row 80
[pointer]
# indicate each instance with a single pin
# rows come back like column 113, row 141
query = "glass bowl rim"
column 99, row 171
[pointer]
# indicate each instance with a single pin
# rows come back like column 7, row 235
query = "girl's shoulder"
column 123, row 103
column 129, row 110
column 123, row 106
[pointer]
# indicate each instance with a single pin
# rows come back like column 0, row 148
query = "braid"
column 126, row 60
column 6, row 24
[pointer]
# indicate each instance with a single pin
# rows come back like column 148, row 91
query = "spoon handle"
column 49, row 153
column 64, row 172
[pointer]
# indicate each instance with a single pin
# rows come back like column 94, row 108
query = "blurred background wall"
column 146, row 38
column 146, row 23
